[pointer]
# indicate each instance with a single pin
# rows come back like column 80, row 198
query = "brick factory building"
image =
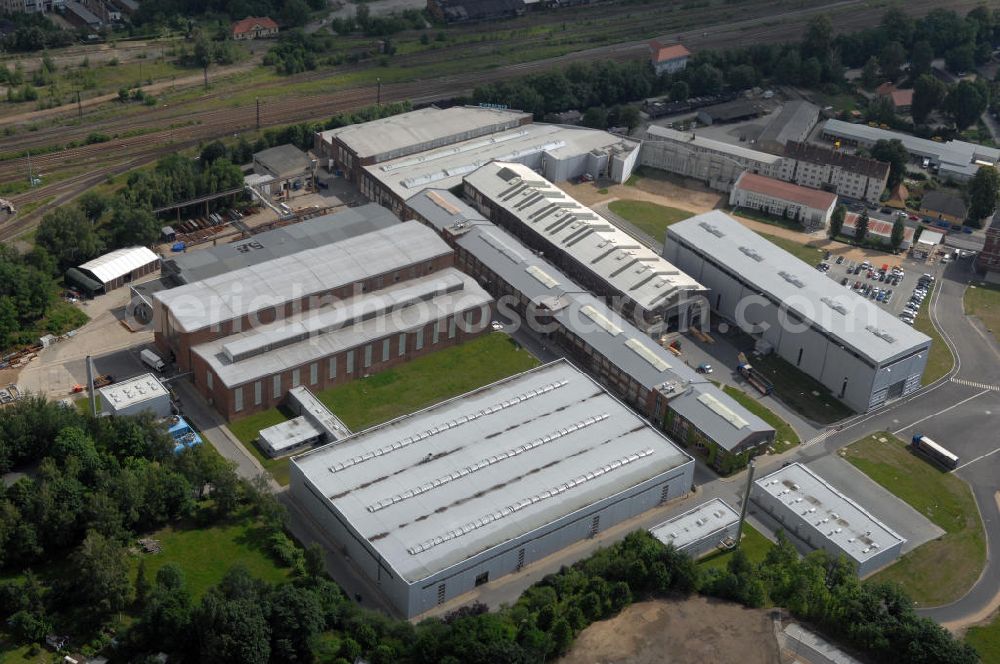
column 319, row 317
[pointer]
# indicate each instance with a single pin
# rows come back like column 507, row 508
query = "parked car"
column 704, row 368
column 843, row 282
column 840, row 260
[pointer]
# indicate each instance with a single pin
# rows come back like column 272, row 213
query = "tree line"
column 247, row 621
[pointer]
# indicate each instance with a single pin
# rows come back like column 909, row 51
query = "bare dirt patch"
column 693, row 631
column 686, row 195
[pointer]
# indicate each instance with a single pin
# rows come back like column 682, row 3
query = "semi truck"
column 152, row 360
column 754, row 377
column 933, row 451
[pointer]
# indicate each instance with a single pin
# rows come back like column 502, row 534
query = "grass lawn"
column 407, row 388
column 785, row 437
column 246, row 431
column 650, row 218
column 940, row 361
column 800, row 392
column 942, row 570
column 754, row 545
column 11, row 654
column 986, row 641
column 810, row 255
column 206, row 554
column 983, row 302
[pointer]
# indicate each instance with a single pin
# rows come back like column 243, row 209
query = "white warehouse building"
column 861, row 353
column 816, row 513
column 433, row 504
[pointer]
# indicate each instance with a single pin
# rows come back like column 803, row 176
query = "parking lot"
column 878, row 283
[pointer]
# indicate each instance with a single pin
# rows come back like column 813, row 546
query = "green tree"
column 961, row 58
column 141, row 584
column 898, row 230
column 811, row 73
column 921, row 58
column 68, row 236
column 818, row 40
column 870, row 73
column 861, row 228
column 93, row 203
column 9, row 327
column 891, row 59
column 595, row 117
column 984, row 188
column 966, row 102
column 130, row 226
column 679, row 91
column 315, row 564
column 295, row 621
column 837, row 220
column 705, row 79
column 895, row 154
column 101, row 576
column 295, row 13
column 928, row 94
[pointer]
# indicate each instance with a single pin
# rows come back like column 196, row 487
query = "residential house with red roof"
column 668, row 58
column 810, row 207
column 254, row 27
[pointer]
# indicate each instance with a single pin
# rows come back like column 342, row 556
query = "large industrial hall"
column 433, row 504
column 861, row 353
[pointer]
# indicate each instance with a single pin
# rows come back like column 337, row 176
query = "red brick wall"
column 224, row 401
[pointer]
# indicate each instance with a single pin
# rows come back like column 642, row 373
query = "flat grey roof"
column 842, row 314
column 956, row 155
column 432, row 489
column 625, row 264
column 136, row 390
column 444, row 167
column 283, row 160
column 416, row 130
column 316, row 411
column 306, row 337
column 256, row 287
column 696, row 524
column 589, row 318
column 289, row 434
column 655, row 132
column 327, row 229
column 832, row 515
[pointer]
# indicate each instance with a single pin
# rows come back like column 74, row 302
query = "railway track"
column 210, row 124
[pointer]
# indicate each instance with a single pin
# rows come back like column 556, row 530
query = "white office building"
column 863, row 354
column 433, row 504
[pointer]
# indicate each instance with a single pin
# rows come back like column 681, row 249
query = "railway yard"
column 191, row 119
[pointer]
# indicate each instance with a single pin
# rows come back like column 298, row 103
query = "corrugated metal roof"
column 290, row 278
column 118, row 263
column 433, row 488
column 575, row 308
column 616, row 258
column 867, row 329
column 303, row 338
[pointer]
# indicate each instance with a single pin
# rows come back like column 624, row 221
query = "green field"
column 940, row 360
column 983, row 302
column 207, row 553
column 785, row 437
column 800, row 392
column 944, row 569
column 810, row 255
column 650, row 218
column 754, row 545
column 765, row 218
column 417, row 384
column 12, row 654
column 986, row 641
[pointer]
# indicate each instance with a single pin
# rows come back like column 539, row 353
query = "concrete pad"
column 886, row 507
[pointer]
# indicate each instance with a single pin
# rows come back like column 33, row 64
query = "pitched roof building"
column 254, row 27
column 668, row 58
column 811, row 207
